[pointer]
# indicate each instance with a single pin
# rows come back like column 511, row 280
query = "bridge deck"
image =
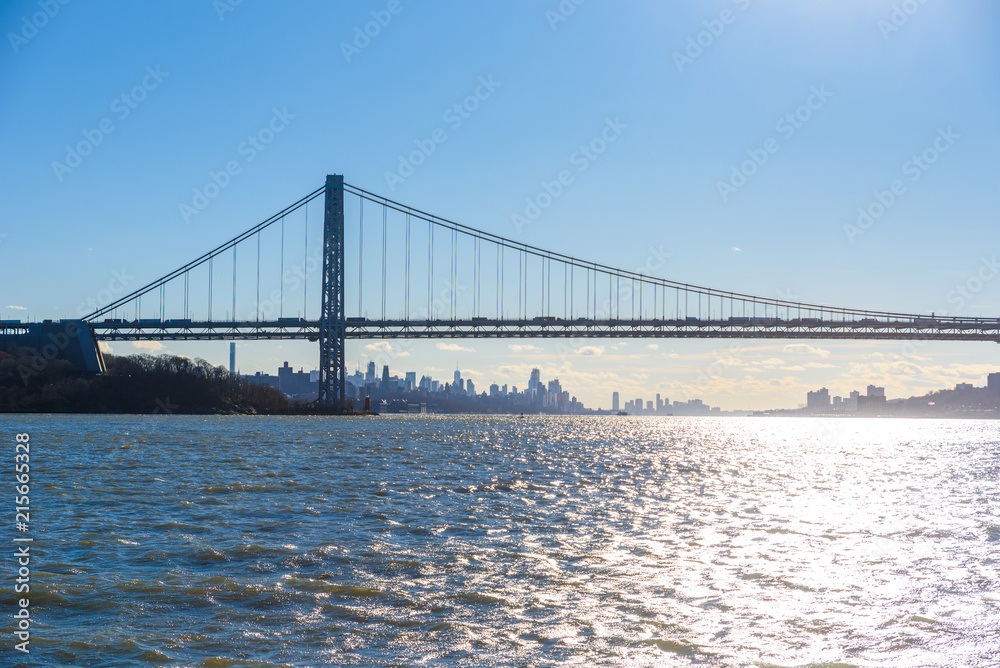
column 942, row 329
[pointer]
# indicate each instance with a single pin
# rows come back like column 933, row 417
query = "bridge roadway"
column 869, row 329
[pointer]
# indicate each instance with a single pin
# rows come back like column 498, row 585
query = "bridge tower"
column 332, row 371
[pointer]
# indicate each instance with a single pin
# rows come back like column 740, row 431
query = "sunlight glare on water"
column 215, row 541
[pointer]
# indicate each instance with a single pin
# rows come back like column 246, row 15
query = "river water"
column 469, row 541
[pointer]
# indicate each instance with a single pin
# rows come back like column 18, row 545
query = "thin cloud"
column 384, row 348
column 454, row 347
column 806, row 349
column 150, row 346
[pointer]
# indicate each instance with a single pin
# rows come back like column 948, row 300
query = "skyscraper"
column 385, row 375
column 614, row 402
column 534, row 382
column 370, row 376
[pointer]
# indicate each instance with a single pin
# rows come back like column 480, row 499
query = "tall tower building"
column 232, row 358
column 534, row 382
column 614, row 402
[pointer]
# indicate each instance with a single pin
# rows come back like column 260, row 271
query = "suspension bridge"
column 390, row 271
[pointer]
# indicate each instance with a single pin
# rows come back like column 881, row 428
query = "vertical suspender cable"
column 618, row 298
column 281, row 278
column 499, row 281
column 406, row 280
column 454, row 284
column 430, row 265
column 520, row 285
column 258, row 276
column 211, row 274
column 544, row 311
column 361, row 253
column 305, row 266
column 385, row 213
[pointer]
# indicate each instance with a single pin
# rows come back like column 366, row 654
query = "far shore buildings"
column 874, row 401
column 384, row 389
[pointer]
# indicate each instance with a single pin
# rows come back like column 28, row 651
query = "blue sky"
column 893, row 78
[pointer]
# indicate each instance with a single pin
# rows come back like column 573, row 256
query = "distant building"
column 876, row 391
column 534, row 382
column 993, row 383
column 964, row 387
column 851, row 403
column 293, row 382
column 614, row 401
column 818, row 400
column 871, row 404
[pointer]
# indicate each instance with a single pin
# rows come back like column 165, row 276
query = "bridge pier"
column 332, row 326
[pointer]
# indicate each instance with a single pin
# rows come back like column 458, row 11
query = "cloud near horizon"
column 454, row 347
